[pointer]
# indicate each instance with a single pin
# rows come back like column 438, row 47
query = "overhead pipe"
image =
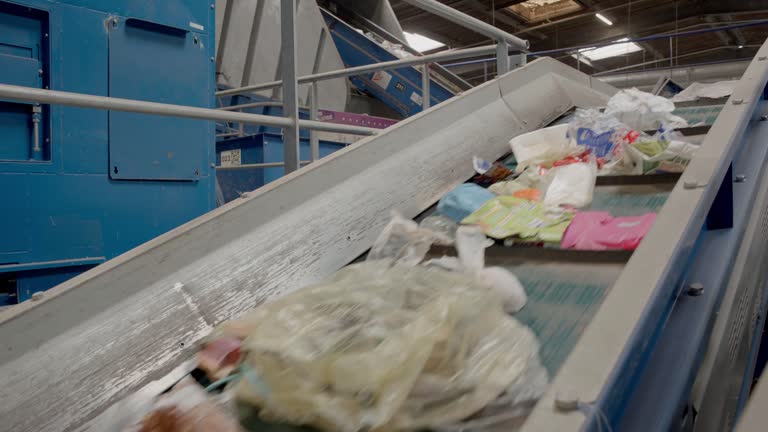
column 677, row 57
column 681, row 74
column 636, row 40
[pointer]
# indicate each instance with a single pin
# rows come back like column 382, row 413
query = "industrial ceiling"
column 561, row 24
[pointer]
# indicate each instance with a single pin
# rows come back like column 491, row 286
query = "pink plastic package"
column 595, row 230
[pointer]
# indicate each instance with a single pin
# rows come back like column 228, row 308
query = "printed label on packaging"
column 382, row 79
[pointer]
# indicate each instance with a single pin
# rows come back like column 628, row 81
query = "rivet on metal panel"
column 739, row 178
column 566, row 401
column 695, row 289
column 212, row 59
column 738, row 101
column 38, row 296
column 197, row 172
column 213, row 5
column 213, row 165
column 114, row 22
column 40, row 72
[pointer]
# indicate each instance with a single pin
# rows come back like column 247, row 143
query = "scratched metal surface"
column 102, row 335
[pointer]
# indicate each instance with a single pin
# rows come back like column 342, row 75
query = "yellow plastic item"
column 381, row 347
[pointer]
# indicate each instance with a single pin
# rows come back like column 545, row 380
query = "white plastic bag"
column 643, row 111
column 442, row 228
column 402, row 241
column 543, row 147
column 698, row 90
column 572, row 185
column 470, row 245
column 673, row 158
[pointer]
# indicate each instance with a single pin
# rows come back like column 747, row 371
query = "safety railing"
column 290, row 82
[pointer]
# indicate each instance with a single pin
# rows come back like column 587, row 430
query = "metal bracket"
column 721, row 213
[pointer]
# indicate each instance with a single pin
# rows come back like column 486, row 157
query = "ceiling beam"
column 500, row 15
column 736, row 34
column 723, row 36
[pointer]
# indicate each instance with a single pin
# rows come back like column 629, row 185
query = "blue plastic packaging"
column 463, row 200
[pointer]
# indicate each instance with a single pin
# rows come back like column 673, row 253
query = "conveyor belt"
column 598, row 315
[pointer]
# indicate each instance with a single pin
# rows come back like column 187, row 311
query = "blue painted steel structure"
column 652, row 388
column 259, row 144
column 400, row 89
column 260, row 148
column 96, row 183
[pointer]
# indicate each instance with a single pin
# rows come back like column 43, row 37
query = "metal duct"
column 682, row 75
column 378, row 11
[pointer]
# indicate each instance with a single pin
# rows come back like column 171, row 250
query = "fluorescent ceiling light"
column 603, row 19
column 422, row 43
column 623, row 47
column 583, row 59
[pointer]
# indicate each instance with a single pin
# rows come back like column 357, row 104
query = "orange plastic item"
column 528, row 194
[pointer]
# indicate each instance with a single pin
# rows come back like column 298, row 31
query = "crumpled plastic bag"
column 443, row 228
column 602, row 134
column 698, row 90
column 462, row 200
column 572, row 185
column 509, row 411
column 470, row 245
column 656, row 155
column 643, row 111
column 543, row 147
column 385, row 347
column 403, row 241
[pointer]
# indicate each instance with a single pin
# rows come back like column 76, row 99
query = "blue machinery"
column 81, row 186
column 92, row 184
column 669, row 344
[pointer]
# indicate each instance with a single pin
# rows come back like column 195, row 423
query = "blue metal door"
column 22, row 32
column 158, row 63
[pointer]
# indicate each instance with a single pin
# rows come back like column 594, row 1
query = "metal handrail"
column 358, row 70
column 470, row 23
column 54, row 97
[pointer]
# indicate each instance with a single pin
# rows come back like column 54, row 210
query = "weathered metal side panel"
column 104, row 334
column 249, row 48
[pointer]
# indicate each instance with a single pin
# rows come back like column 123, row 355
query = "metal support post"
column 425, row 81
column 290, row 85
column 502, row 58
column 37, row 150
column 314, row 140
